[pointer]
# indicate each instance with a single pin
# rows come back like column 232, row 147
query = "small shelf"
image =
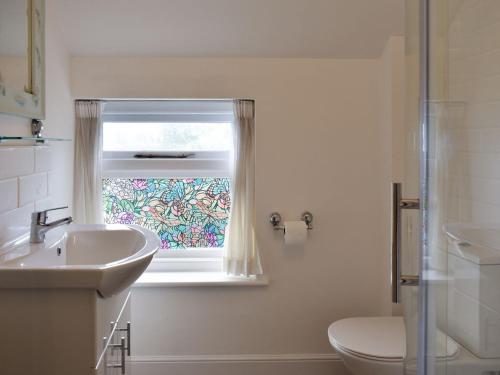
column 37, row 140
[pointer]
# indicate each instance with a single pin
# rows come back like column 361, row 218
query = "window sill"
column 180, row 279
column 183, row 264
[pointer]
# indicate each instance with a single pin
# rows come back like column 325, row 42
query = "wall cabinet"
column 64, row 331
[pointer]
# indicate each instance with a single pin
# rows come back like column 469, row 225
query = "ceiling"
column 230, row 28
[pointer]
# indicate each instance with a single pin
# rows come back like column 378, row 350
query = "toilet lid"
column 382, row 338
column 377, row 337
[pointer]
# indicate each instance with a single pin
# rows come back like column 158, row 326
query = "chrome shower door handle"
column 398, row 280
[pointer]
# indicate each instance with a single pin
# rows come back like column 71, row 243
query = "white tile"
column 481, row 190
column 484, row 213
column 490, row 140
column 44, row 204
column 463, row 140
column 490, row 12
column 475, row 79
column 53, row 183
column 15, row 223
column 480, row 165
column 48, row 203
column 42, row 158
column 8, row 194
column 483, row 115
column 16, row 161
column 490, row 37
column 32, row 188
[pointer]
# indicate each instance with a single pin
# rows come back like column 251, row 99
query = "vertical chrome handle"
column 127, row 329
column 395, row 242
column 122, row 347
column 129, row 341
column 398, row 280
column 122, row 343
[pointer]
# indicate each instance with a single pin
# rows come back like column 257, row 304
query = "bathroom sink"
column 108, row 258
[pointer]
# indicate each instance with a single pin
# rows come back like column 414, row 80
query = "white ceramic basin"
column 108, row 258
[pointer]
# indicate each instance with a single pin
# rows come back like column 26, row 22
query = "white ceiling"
column 236, row 28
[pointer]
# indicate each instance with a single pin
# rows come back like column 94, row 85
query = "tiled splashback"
column 473, row 133
column 24, row 188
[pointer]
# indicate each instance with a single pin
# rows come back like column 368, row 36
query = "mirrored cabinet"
column 22, row 58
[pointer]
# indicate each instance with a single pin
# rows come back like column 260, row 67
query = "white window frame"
column 122, row 164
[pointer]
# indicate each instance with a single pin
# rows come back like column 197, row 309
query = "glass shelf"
column 37, row 140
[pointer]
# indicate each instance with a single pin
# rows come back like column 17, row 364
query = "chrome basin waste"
column 108, row 258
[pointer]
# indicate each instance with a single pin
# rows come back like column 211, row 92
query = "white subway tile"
column 32, row 188
column 15, row 223
column 484, row 213
column 456, row 165
column 8, row 194
column 42, row 158
column 483, row 115
column 482, row 165
column 52, row 183
column 469, row 17
column 44, row 204
column 487, row 89
column 490, row 140
column 490, row 40
column 16, row 161
column 490, row 12
column 463, row 139
column 484, row 190
column 474, row 72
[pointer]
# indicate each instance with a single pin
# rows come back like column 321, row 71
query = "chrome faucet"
column 39, row 225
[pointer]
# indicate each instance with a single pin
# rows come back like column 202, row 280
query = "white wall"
column 392, row 127
column 40, row 186
column 321, row 146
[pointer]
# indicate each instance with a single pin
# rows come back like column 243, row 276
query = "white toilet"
column 377, row 346
column 370, row 346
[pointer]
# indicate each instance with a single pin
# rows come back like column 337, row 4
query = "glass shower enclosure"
column 450, row 246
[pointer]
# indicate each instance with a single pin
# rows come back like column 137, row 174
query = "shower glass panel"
column 410, row 236
column 459, row 301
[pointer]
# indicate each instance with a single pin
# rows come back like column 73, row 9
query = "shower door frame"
column 424, row 43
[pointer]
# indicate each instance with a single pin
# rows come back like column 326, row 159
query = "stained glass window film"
column 184, row 212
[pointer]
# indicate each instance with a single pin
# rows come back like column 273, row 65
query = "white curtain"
column 88, row 162
column 241, row 256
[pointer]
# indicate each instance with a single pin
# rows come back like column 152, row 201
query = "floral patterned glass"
column 185, row 212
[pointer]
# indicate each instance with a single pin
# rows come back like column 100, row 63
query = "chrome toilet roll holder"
column 275, row 220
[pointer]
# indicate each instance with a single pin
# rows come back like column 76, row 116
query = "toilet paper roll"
column 295, row 232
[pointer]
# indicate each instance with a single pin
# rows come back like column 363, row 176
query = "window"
column 184, row 212
column 166, row 167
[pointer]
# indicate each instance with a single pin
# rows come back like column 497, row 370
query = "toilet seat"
column 381, row 339
column 377, row 345
column 367, row 357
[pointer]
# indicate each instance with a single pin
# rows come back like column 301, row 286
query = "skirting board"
column 247, row 364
